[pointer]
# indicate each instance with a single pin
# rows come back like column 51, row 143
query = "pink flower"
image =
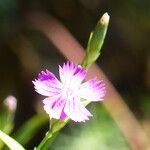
column 64, row 95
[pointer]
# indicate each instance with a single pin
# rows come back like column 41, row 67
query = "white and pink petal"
column 76, row 111
column 71, row 74
column 47, row 84
column 92, row 90
column 55, row 107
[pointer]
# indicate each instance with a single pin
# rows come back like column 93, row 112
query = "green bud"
column 96, row 41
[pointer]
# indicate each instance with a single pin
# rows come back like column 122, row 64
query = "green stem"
column 54, row 128
column 43, row 142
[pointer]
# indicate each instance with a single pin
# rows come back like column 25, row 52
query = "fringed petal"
column 76, row 111
column 55, row 107
column 47, row 84
column 71, row 74
column 92, row 90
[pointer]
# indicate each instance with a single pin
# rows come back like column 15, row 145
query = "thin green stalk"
column 54, row 128
column 44, row 141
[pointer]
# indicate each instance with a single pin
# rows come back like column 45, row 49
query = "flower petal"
column 71, row 74
column 76, row 111
column 92, row 90
column 55, row 107
column 47, row 84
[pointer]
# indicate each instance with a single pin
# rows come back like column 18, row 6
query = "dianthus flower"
column 64, row 95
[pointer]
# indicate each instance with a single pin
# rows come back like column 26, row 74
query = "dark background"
column 125, row 55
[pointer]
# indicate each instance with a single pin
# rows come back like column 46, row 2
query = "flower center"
column 69, row 92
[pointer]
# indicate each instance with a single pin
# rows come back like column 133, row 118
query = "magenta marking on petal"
column 47, row 75
column 47, row 84
column 63, row 115
column 54, row 107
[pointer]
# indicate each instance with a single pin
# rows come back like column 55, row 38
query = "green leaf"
column 30, row 128
column 96, row 41
column 10, row 142
column 6, row 123
column 7, row 113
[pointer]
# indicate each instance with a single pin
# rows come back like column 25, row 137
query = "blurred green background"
column 125, row 59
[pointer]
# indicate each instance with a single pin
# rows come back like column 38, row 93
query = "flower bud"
column 96, row 41
column 11, row 103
